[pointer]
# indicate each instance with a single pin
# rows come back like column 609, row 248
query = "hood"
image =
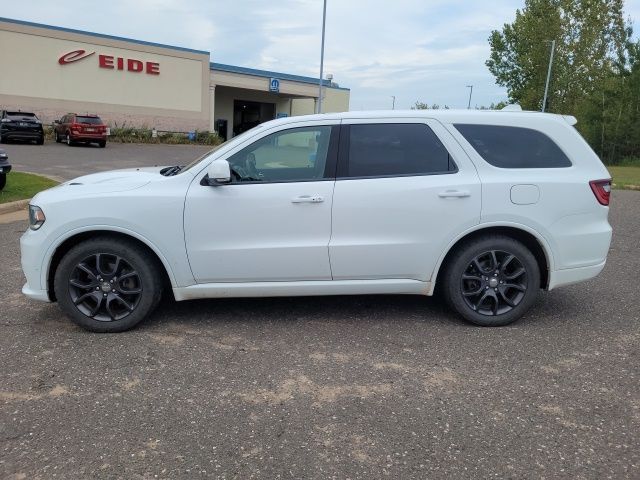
column 100, row 183
column 114, row 180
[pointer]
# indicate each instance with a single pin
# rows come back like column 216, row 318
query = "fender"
column 46, row 261
column 548, row 252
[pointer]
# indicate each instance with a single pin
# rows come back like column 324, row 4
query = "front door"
column 273, row 221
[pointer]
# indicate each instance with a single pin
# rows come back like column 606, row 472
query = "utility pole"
column 470, row 93
column 393, row 105
column 324, row 20
column 546, row 87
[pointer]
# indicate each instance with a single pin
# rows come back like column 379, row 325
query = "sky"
column 415, row 50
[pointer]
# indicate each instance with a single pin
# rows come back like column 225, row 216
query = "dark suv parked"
column 20, row 126
column 73, row 128
column 5, row 167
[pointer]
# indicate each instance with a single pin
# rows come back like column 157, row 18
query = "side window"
column 514, row 147
column 396, row 149
column 296, row 154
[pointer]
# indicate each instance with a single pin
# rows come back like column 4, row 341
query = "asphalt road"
column 334, row 387
column 64, row 163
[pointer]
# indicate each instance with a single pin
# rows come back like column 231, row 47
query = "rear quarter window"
column 514, row 147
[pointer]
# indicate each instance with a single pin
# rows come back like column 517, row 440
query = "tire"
column 57, row 137
column 87, row 295
column 2, row 140
column 491, row 266
column 3, row 180
column 68, row 139
column 102, row 143
column 40, row 141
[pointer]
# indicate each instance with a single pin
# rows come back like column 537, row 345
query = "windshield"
column 237, row 138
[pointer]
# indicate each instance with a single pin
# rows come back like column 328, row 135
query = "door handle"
column 454, row 194
column 308, row 199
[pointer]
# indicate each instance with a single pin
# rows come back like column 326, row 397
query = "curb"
column 14, row 206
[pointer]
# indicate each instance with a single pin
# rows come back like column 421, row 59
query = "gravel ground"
column 335, row 387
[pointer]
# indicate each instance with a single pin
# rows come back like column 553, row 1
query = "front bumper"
column 5, row 167
column 39, row 295
column 31, row 259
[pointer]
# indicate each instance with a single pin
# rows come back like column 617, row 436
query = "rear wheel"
column 68, row 139
column 102, row 143
column 3, row 180
column 492, row 281
column 107, row 285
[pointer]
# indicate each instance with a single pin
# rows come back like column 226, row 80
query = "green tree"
column 591, row 41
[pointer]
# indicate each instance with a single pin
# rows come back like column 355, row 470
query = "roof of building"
column 221, row 67
column 100, row 35
column 214, row 66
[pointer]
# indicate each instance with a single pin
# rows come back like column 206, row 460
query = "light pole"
column 324, row 20
column 470, row 87
column 393, row 104
column 546, row 86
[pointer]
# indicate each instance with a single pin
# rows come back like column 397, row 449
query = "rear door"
column 404, row 190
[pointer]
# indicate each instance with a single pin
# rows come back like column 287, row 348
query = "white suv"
column 487, row 206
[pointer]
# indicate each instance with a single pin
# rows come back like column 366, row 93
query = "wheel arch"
column 70, row 241
column 529, row 237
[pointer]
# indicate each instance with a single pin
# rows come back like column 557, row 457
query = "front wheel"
column 57, row 137
column 492, row 281
column 3, row 180
column 107, row 285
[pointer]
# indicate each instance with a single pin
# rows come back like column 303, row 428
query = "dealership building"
column 53, row 71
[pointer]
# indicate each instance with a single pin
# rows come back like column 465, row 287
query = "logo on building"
column 74, row 56
column 274, row 85
column 111, row 62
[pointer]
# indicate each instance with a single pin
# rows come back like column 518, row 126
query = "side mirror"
column 219, row 172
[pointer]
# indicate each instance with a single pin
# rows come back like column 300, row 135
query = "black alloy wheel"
column 491, row 280
column 108, row 284
column 494, row 283
column 105, row 287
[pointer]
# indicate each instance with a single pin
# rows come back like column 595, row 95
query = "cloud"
column 413, row 49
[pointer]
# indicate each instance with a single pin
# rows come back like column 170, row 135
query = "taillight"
column 602, row 190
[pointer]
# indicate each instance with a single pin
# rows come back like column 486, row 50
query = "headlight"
column 5, row 120
column 36, row 217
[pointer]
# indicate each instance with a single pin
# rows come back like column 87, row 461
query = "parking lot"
column 333, row 387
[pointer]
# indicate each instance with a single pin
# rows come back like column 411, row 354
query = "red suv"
column 73, row 128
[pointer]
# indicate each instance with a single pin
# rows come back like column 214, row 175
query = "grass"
column 24, row 185
column 625, row 177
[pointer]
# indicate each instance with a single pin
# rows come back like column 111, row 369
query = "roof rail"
column 512, row 107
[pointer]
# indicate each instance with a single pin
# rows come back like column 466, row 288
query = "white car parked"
column 488, row 206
